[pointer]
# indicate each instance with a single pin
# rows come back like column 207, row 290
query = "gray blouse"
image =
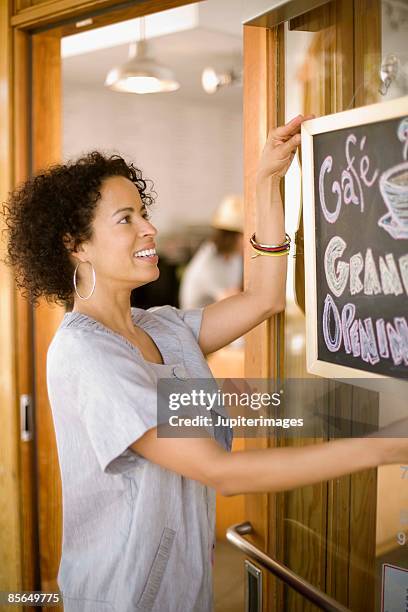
column 136, row 536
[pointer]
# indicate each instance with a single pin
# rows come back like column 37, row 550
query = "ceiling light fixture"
column 213, row 81
column 141, row 74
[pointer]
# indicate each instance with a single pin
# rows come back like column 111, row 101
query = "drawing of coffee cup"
column 394, row 190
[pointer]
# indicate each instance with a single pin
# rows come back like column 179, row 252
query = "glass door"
column 338, row 535
column 391, row 541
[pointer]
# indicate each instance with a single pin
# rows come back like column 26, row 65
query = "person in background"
column 215, row 271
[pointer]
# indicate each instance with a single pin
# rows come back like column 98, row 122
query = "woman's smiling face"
column 120, row 229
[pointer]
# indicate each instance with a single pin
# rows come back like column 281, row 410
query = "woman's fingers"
column 283, row 132
column 287, row 130
column 280, row 148
column 286, row 148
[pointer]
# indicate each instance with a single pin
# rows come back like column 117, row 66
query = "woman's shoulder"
column 173, row 317
column 165, row 312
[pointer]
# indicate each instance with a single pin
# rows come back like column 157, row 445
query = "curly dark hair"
column 59, row 200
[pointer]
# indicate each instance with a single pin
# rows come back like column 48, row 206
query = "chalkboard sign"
column 355, row 190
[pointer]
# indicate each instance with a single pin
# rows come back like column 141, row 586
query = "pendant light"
column 141, row 74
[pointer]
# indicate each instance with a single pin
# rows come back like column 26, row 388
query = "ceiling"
column 186, row 52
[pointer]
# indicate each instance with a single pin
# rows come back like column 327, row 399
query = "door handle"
column 26, row 418
column 235, row 535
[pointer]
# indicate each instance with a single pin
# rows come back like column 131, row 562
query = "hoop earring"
column 93, row 284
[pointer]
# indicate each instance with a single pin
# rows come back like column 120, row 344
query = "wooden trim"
column 19, row 5
column 10, row 526
column 54, row 11
column 367, row 50
column 46, row 149
column 261, row 61
column 256, row 342
column 277, row 509
column 276, row 116
column 29, row 521
column 344, row 83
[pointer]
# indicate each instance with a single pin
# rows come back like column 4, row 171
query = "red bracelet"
column 270, row 247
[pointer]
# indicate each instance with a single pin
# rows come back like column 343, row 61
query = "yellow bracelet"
column 270, row 254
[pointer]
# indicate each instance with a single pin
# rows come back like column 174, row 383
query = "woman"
column 138, row 509
column 215, row 271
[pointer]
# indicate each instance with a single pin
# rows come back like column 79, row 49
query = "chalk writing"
column 349, row 189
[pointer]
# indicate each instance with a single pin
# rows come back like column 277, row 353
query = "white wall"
column 192, row 153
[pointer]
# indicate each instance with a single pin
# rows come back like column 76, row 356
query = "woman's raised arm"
column 231, row 318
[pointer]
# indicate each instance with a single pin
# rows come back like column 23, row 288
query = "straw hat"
column 230, row 214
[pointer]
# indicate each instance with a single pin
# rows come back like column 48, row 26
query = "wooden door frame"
column 262, row 111
column 10, row 545
column 344, row 497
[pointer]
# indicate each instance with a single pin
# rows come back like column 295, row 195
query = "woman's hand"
column 280, row 148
